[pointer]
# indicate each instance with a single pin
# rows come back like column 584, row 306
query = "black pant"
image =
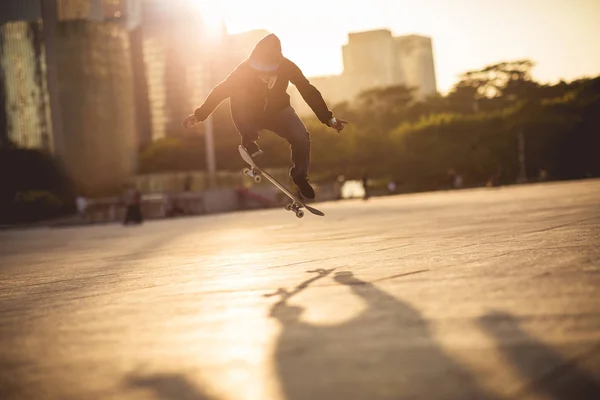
column 284, row 123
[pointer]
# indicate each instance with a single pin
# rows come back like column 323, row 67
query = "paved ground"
column 477, row 294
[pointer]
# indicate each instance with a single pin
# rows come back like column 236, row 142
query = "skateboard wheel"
column 257, row 178
column 299, row 213
column 288, row 207
column 247, row 171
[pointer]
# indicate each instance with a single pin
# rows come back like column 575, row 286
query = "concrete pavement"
column 474, row 294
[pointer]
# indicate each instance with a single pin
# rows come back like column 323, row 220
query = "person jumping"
column 257, row 89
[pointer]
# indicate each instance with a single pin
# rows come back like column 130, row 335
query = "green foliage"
column 473, row 131
column 33, row 186
column 173, row 154
column 34, row 205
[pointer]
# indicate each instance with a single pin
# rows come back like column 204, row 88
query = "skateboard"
column 256, row 173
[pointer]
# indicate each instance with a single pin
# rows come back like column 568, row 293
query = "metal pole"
column 211, row 161
column 522, row 178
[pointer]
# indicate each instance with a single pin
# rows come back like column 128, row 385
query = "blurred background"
column 440, row 95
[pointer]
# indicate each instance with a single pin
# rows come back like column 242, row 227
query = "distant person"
column 185, row 198
column 167, row 204
column 451, row 177
column 495, row 178
column 365, row 183
column 458, row 181
column 391, row 187
column 187, row 184
column 259, row 100
column 133, row 202
column 337, row 187
column 81, row 204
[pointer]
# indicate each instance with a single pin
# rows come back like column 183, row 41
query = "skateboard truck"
column 256, row 174
column 253, row 173
column 295, row 208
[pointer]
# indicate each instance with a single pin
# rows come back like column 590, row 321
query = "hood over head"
column 267, row 54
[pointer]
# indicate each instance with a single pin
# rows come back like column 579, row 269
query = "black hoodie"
column 249, row 93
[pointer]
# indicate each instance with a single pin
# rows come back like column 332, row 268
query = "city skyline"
column 377, row 59
column 558, row 36
column 467, row 34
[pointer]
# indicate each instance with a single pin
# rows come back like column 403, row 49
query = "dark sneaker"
column 253, row 149
column 303, row 186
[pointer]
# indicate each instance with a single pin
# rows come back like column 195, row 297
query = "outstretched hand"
column 190, row 121
column 337, row 124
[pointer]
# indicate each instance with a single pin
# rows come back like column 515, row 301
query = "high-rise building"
column 96, row 104
column 167, row 64
column 79, row 10
column 377, row 59
column 179, row 61
column 67, row 88
column 372, row 55
column 24, row 98
column 415, row 57
column 21, row 64
column 127, row 12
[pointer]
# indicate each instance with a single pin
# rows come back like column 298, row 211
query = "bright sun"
column 212, row 15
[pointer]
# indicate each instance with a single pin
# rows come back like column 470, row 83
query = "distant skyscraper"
column 177, row 58
column 167, row 62
column 415, row 57
column 79, row 9
column 372, row 55
column 67, row 86
column 96, row 104
column 24, row 97
column 378, row 59
column 127, row 12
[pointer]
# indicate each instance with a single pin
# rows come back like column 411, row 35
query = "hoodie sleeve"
column 219, row 93
column 310, row 94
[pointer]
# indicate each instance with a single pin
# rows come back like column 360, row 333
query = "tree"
column 36, row 187
column 473, row 130
column 495, row 86
column 171, row 154
column 386, row 107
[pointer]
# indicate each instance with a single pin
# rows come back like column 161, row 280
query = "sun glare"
column 211, row 12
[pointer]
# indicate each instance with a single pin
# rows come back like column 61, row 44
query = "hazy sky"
column 561, row 36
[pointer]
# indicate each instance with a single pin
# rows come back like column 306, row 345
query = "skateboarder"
column 257, row 89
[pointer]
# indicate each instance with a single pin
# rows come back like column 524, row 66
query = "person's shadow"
column 386, row 352
column 547, row 371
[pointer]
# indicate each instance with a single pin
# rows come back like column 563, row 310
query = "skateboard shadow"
column 386, row 352
column 550, row 373
column 285, row 295
column 167, row 386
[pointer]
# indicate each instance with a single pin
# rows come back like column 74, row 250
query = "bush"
column 31, row 178
column 34, row 205
column 474, row 130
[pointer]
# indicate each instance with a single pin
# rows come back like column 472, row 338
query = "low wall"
column 211, row 201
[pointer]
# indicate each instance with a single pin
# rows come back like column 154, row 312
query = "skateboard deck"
column 257, row 173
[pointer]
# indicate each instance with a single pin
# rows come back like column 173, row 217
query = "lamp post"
column 209, row 141
column 522, row 177
column 211, row 162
